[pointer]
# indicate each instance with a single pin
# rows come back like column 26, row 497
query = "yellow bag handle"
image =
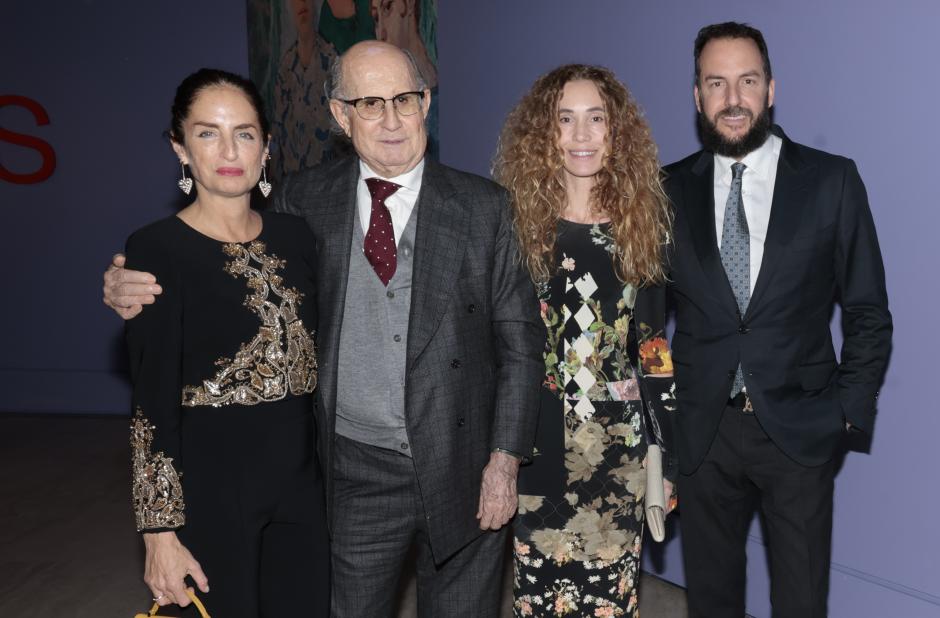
column 192, row 595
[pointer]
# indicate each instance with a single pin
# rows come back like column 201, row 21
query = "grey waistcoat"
column 370, row 394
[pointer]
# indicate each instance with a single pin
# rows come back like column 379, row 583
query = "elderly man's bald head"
column 366, row 51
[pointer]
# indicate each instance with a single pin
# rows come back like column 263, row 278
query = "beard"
column 714, row 141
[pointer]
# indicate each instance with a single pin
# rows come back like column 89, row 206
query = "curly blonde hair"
column 529, row 163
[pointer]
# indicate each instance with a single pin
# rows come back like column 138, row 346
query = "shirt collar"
column 409, row 180
column 760, row 161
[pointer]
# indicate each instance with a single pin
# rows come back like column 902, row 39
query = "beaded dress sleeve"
column 154, row 341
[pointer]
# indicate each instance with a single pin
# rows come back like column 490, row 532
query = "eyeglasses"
column 371, row 108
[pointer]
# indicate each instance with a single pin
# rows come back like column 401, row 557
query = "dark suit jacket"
column 475, row 337
column 820, row 248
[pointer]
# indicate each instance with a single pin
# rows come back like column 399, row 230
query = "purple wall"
column 105, row 72
column 853, row 77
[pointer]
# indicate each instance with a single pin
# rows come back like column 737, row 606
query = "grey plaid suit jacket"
column 475, row 336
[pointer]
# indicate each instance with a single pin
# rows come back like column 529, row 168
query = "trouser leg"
column 294, row 562
column 228, row 553
column 295, row 571
column 796, row 503
column 468, row 584
column 374, row 511
column 717, row 504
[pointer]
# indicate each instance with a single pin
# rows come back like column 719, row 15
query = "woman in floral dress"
column 592, row 219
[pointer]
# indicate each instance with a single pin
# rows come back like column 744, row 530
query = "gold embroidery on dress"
column 157, row 492
column 280, row 358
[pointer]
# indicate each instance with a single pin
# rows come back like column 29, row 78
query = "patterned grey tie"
column 736, row 253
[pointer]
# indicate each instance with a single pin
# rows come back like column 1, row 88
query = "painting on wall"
column 291, row 45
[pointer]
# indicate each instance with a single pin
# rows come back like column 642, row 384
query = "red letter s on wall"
column 28, row 141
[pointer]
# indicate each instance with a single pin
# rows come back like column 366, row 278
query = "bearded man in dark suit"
column 430, row 347
column 769, row 234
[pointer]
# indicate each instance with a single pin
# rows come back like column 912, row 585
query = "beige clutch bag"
column 655, row 496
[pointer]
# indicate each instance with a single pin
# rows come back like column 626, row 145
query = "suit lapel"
column 701, row 215
column 440, row 239
column 336, row 212
column 786, row 215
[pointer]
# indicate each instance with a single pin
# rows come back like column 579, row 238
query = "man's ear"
column 698, row 101
column 426, row 103
column 338, row 109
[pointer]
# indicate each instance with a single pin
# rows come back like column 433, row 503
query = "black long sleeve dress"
column 608, row 390
column 224, row 367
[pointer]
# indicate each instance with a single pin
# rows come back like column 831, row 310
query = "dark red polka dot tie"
column 380, row 239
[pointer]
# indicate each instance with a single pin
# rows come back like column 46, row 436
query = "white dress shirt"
column 757, row 193
column 399, row 204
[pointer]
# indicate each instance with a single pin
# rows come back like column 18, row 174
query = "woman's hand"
column 671, row 501
column 168, row 563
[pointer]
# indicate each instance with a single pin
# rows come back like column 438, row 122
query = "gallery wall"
column 104, row 72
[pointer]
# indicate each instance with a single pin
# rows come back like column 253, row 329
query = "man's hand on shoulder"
column 498, row 496
column 126, row 291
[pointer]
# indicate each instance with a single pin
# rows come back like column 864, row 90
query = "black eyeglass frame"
column 384, row 101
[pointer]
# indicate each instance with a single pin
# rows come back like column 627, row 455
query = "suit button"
column 397, row 338
column 404, row 446
column 390, row 294
column 471, row 308
column 461, row 422
column 743, row 329
column 455, row 363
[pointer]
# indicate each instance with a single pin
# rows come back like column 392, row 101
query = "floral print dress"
column 578, row 533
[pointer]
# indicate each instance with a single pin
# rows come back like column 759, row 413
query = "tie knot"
column 380, row 189
column 737, row 169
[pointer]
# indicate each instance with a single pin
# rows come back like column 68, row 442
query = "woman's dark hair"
column 731, row 30
column 194, row 84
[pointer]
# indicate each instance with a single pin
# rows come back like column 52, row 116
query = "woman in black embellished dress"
column 226, row 486
column 592, row 220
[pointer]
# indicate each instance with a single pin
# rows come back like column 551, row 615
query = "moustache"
column 735, row 110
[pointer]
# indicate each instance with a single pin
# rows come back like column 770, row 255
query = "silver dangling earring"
column 185, row 184
column 263, row 184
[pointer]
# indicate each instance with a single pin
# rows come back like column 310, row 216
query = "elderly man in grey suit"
column 430, row 350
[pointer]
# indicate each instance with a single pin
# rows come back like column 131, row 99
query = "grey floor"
column 67, row 543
